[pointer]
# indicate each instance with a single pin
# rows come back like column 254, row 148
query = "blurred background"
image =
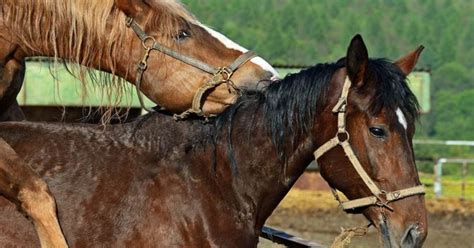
column 293, row 34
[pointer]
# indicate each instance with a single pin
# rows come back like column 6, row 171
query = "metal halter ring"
column 145, row 41
column 225, row 73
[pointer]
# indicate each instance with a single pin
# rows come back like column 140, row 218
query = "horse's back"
column 114, row 192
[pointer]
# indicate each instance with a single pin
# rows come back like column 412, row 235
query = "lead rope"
column 222, row 76
column 345, row 238
column 346, row 235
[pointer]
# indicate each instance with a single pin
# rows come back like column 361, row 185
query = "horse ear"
column 407, row 63
column 357, row 60
column 132, row 8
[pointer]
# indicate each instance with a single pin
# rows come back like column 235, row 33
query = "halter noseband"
column 220, row 75
column 380, row 197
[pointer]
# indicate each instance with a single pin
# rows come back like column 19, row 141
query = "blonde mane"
column 80, row 32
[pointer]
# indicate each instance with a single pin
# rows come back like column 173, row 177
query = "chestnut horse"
column 157, row 183
column 180, row 63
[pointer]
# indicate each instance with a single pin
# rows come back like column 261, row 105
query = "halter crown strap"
column 380, row 197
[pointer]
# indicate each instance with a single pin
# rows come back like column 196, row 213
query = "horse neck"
column 104, row 42
column 260, row 178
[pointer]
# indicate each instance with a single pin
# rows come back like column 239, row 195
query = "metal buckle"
column 144, row 62
column 225, row 73
column 340, row 106
column 396, row 195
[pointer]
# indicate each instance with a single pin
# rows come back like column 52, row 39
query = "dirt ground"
column 313, row 215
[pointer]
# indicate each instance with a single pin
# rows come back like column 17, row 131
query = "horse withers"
column 157, row 183
column 157, row 45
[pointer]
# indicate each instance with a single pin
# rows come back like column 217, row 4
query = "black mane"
column 290, row 105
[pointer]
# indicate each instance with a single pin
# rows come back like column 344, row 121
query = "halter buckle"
column 225, row 72
column 340, row 106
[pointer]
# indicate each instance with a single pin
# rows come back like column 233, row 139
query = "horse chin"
column 216, row 106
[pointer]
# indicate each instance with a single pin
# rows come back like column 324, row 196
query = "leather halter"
column 379, row 197
column 220, row 75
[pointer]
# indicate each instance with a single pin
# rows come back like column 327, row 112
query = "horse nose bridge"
column 265, row 67
column 401, row 168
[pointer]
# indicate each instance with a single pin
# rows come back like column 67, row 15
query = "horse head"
column 180, row 62
column 168, row 24
column 374, row 122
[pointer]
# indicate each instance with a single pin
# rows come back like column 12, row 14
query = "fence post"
column 463, row 185
column 438, row 170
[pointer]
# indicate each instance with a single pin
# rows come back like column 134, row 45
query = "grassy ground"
column 452, row 188
column 307, row 200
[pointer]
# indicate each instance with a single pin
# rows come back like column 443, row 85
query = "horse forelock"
column 80, row 32
column 171, row 14
column 391, row 90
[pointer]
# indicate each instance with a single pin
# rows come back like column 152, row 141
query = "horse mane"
column 290, row 105
column 40, row 25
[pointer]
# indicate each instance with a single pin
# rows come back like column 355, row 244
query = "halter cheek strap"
column 219, row 76
column 379, row 197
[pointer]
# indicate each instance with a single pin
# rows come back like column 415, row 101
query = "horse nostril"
column 410, row 237
column 270, row 76
column 274, row 78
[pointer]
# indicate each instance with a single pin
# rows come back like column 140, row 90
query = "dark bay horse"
column 157, row 183
column 177, row 57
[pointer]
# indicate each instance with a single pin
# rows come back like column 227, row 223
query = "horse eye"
column 182, row 35
column 378, row 132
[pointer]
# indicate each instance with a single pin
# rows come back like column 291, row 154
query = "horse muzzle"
column 412, row 237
